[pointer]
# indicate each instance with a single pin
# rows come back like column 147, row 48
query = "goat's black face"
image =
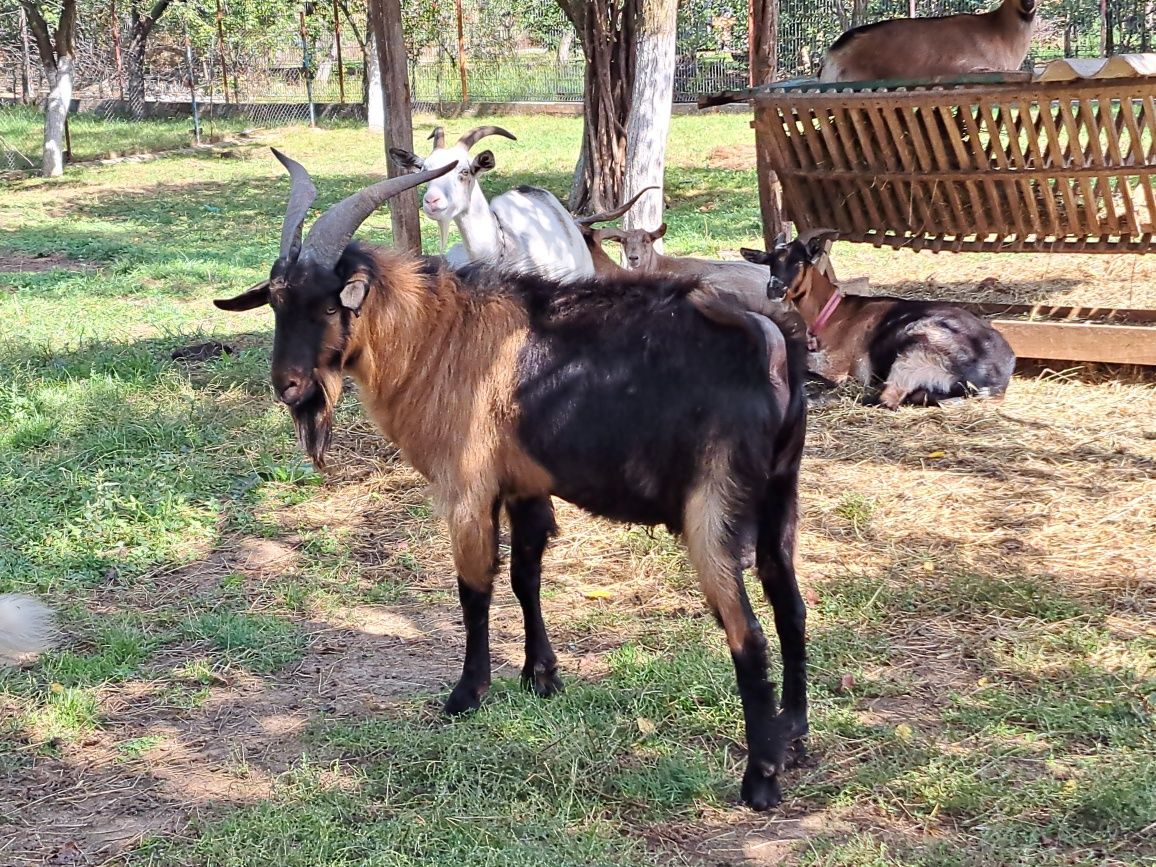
column 312, row 329
column 312, row 311
column 789, row 262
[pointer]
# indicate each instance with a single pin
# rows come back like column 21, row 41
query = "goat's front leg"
column 474, row 533
column 531, row 526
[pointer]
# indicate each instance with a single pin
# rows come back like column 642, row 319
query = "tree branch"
column 40, row 33
column 143, row 25
column 66, row 29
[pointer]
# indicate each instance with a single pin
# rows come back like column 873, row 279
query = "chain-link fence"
column 269, row 62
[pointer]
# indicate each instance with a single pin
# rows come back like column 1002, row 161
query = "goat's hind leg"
column 474, row 534
column 716, row 552
column 531, row 527
column 775, row 555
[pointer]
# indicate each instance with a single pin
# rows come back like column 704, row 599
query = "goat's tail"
column 26, row 626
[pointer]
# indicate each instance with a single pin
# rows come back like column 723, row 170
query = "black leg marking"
column 531, row 527
column 475, row 681
column 776, row 554
column 765, row 743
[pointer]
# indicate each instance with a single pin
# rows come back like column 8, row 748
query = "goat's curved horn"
column 438, row 137
column 301, row 196
column 606, row 216
column 329, row 236
column 480, row 132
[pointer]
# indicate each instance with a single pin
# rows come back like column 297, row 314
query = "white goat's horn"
column 438, row 137
column 480, row 132
column 329, row 236
column 301, row 196
column 606, row 216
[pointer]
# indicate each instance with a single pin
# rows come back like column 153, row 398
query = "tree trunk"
column 55, row 116
column 135, row 93
column 606, row 29
column 385, row 17
column 375, row 107
column 648, row 123
column 764, row 64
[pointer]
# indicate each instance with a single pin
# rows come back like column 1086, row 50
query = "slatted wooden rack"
column 990, row 163
column 1009, row 165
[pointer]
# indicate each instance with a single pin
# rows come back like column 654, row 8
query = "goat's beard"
column 313, row 418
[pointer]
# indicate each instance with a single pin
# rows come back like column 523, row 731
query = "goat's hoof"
column 542, row 680
column 760, row 789
column 464, row 699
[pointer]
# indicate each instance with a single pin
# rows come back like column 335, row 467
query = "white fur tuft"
column 26, row 626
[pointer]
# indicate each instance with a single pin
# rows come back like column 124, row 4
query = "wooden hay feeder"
column 992, row 163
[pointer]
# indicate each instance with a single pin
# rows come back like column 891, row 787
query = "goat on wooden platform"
column 995, row 41
column 922, row 352
column 504, row 389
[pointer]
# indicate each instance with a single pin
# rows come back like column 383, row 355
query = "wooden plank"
column 1068, row 341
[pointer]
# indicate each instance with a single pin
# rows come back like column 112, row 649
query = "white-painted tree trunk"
column 648, row 123
column 375, row 110
column 55, row 114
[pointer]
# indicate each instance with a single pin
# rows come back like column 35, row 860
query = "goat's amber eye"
column 331, row 311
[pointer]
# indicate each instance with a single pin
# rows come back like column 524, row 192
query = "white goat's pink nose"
column 433, row 199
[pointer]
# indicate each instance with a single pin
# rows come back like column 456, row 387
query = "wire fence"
column 273, row 64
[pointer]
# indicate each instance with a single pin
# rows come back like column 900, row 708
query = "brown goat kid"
column 741, row 280
column 921, row 352
column 928, row 47
column 618, row 395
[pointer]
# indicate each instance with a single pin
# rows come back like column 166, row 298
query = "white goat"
column 927, row 47
column 525, row 229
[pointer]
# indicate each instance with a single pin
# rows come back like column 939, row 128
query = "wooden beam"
column 385, row 16
column 1085, row 341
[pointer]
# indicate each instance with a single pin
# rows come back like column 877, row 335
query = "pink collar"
column 825, row 314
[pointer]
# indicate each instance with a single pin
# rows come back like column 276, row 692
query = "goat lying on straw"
column 618, row 395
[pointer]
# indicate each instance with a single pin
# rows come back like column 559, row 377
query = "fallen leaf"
column 647, row 727
column 928, row 566
column 810, row 596
column 904, row 732
column 846, row 683
column 937, row 454
column 596, row 594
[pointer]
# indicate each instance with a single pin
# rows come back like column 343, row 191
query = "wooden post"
column 764, row 36
column 337, row 41
column 385, row 17
column 193, row 87
column 221, row 49
column 462, row 53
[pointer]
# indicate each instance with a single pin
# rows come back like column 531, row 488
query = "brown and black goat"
column 919, row 352
column 502, row 389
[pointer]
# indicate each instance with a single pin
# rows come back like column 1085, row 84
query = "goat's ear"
column 247, row 300
column 353, row 293
column 404, row 159
column 759, row 257
column 819, row 243
column 483, row 162
column 658, row 233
